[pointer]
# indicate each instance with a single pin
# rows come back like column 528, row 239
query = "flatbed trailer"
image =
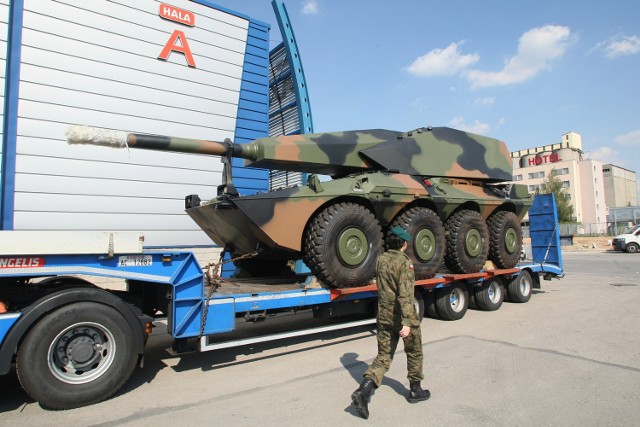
column 74, row 343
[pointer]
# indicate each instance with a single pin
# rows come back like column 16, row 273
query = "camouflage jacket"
column 395, row 280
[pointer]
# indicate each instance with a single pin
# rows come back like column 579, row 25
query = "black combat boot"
column 416, row 393
column 361, row 396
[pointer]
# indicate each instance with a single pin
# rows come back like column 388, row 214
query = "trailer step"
column 204, row 344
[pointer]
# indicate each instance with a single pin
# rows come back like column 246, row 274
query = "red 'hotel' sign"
column 175, row 14
column 547, row 158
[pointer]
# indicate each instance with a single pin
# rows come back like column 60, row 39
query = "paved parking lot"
column 571, row 356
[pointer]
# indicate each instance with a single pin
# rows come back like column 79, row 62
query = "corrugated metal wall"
column 96, row 63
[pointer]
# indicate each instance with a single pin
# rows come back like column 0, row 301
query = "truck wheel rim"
column 473, row 242
column 456, row 300
column 352, row 246
column 81, row 353
column 510, row 240
column 525, row 286
column 425, row 245
column 494, row 292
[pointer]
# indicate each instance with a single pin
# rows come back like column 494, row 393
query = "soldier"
column 397, row 318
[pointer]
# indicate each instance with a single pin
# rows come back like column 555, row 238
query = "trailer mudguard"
column 50, row 302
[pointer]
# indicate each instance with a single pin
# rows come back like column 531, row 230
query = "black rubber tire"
column 430, row 309
column 467, row 242
column 633, row 248
column 418, row 303
column 452, row 301
column 489, row 295
column 76, row 330
column 257, row 267
column 355, row 230
column 427, row 248
column 505, row 239
column 520, row 287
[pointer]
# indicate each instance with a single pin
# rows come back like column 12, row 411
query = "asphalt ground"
column 568, row 357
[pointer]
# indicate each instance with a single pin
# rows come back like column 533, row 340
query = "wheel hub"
column 425, row 245
column 473, row 242
column 352, row 246
column 81, row 353
column 510, row 240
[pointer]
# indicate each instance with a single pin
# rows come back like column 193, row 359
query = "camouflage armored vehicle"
column 450, row 189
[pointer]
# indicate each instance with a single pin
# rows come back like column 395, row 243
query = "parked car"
column 629, row 241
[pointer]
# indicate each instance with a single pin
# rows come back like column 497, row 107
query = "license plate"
column 135, row 261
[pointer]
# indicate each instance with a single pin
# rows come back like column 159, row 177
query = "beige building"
column 620, row 186
column 581, row 178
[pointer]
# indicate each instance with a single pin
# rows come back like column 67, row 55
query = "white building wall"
column 95, row 63
column 594, row 210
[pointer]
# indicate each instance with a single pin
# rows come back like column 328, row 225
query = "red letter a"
column 183, row 47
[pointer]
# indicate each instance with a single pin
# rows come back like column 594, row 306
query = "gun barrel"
column 120, row 139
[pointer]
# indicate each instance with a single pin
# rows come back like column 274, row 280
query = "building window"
column 565, row 184
column 606, row 170
column 568, row 196
column 517, row 178
column 563, row 171
column 534, row 175
column 534, row 188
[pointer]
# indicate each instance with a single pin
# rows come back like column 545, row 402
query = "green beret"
column 401, row 233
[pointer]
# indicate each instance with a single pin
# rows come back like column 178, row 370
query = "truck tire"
column 430, row 308
column 519, row 288
column 342, row 244
column 489, row 295
column 427, row 248
column 505, row 239
column 633, row 248
column 467, row 242
column 418, row 303
column 452, row 301
column 77, row 355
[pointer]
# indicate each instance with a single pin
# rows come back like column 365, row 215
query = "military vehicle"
column 450, row 189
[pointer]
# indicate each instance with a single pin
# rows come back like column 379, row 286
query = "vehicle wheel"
column 452, row 301
column 633, row 248
column 418, row 303
column 426, row 250
column 505, row 239
column 489, row 295
column 77, row 355
column 430, row 304
column 341, row 245
column 257, row 267
column 519, row 288
column 467, row 242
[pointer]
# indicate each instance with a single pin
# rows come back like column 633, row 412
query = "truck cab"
column 629, row 241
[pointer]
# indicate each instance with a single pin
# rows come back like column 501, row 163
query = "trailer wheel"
column 418, row 304
column 633, row 248
column 519, row 288
column 427, row 247
column 505, row 239
column 430, row 308
column 489, row 295
column 341, row 245
column 452, row 301
column 77, row 355
column 467, row 242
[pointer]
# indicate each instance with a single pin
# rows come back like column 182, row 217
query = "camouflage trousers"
column 387, row 344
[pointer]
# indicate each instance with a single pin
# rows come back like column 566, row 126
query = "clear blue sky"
column 523, row 71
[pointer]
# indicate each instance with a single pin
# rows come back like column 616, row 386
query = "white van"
column 629, row 241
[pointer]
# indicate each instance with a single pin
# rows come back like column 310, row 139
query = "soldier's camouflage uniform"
column 395, row 280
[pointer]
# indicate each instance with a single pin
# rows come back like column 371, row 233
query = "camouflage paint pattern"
column 439, row 151
column 395, row 281
column 387, row 172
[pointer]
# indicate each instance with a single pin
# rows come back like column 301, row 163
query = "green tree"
column 553, row 185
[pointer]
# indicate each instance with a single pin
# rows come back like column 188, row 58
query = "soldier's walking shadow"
column 356, row 368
